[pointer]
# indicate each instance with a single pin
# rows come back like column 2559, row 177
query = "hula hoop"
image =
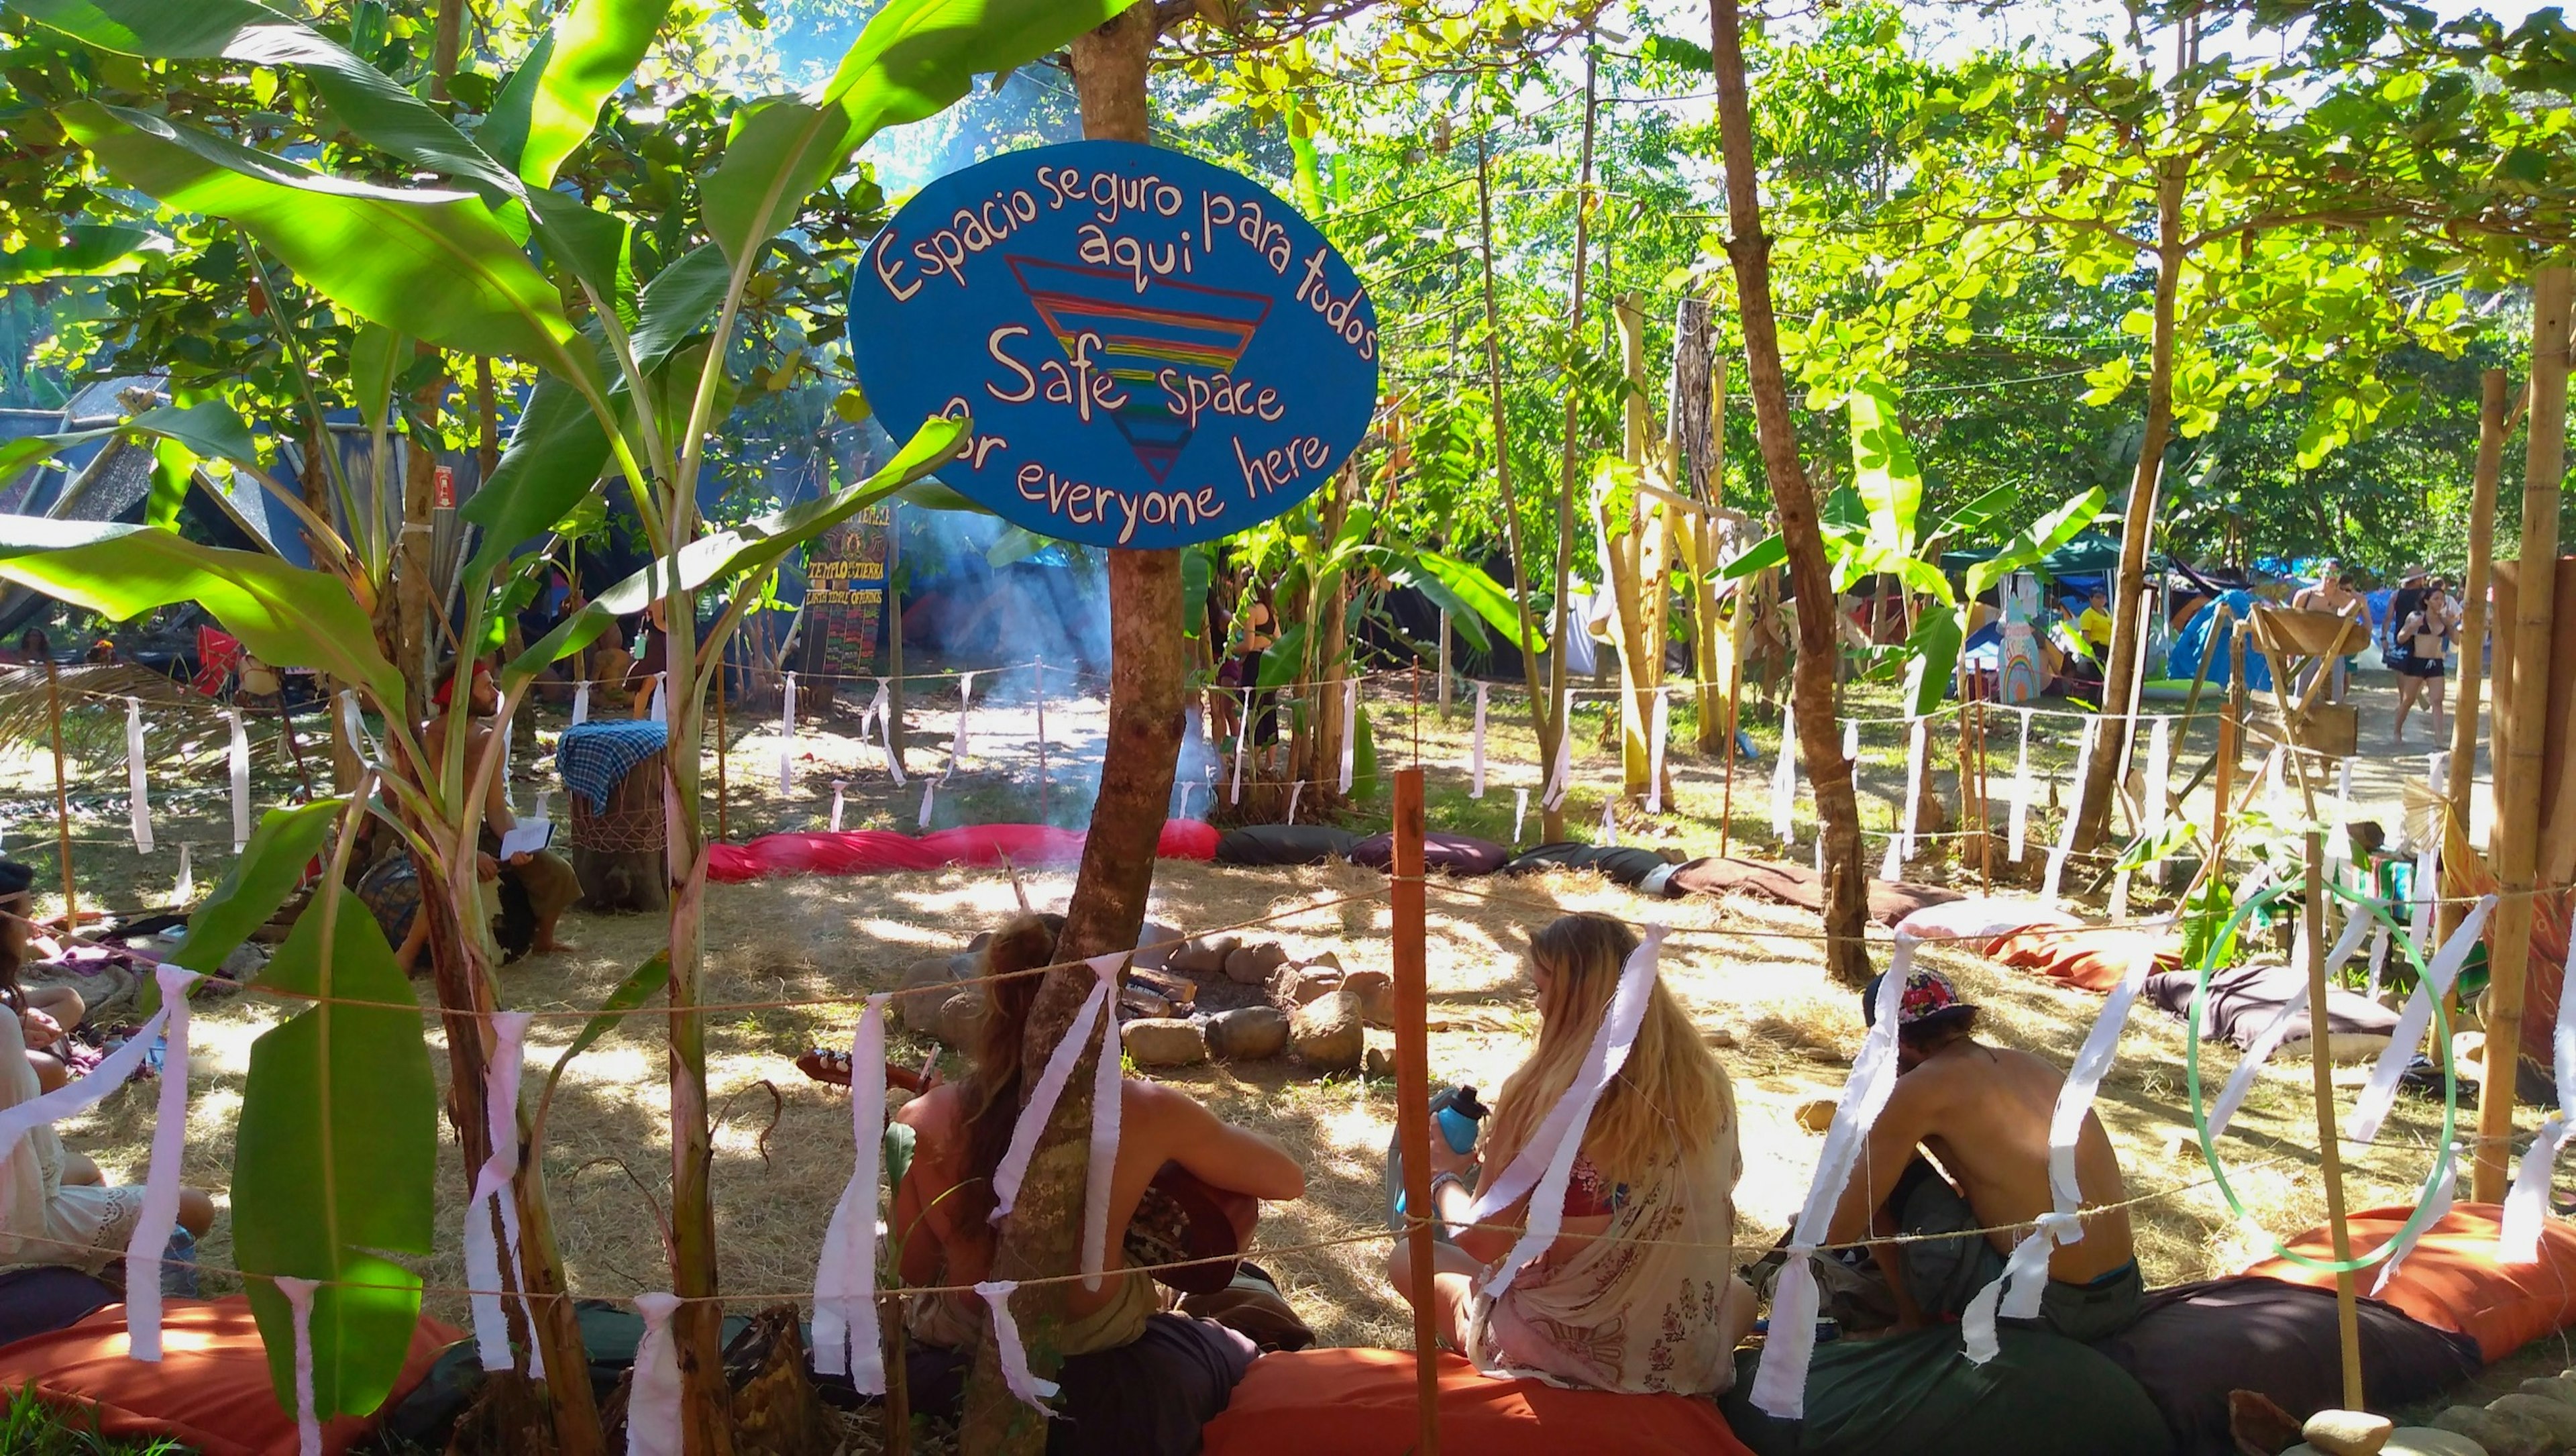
column 2443, row 1165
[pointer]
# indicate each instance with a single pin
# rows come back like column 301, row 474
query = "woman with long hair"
column 1639, row 1291
column 1136, row 1381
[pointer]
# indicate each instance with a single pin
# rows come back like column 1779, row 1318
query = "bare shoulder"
column 935, row 1113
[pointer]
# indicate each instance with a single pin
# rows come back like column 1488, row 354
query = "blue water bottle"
column 1458, row 1114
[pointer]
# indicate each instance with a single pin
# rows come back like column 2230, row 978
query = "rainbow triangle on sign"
column 1169, row 325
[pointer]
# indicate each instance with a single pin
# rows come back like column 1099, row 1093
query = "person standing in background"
column 2330, row 594
column 2421, row 623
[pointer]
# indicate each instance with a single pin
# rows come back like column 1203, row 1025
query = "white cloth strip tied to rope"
column 787, row 739
column 965, row 709
column 138, row 801
column 82, row 1093
column 509, row 791
column 1022, row 1382
column 840, row 788
column 929, row 794
column 2277, row 1030
column 2049, row 891
column 2017, row 837
column 2378, row 955
column 2372, row 1107
column 160, row 1215
column 1295, row 791
column 1242, row 750
column 2446, row 1192
column 1014, row 1167
column 494, row 1194
column 580, row 702
column 1851, row 742
column 1780, row 1386
column 1350, row 730
column 308, row 1422
column 1784, row 780
column 187, row 888
column 2016, row 1292
column 661, row 710
column 883, row 707
column 1476, row 749
column 240, row 763
column 653, row 1396
column 1520, row 811
column 2423, row 890
column 1542, row 1168
column 1610, row 820
column 1917, row 748
column 353, row 727
column 1659, row 727
column 846, row 1332
column 1561, row 776
column 2518, row 1236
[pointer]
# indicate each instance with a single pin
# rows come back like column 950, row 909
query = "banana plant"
column 486, row 257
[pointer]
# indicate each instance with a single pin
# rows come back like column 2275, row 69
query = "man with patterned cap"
column 1983, row 1113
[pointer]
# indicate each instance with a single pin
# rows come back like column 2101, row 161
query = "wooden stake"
column 723, row 796
column 62, row 789
column 1726, row 810
column 1039, row 668
column 2495, row 421
column 2231, row 735
column 1413, row 1092
column 2329, row 1146
column 2518, row 769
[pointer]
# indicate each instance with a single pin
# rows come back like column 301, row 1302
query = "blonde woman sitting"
column 1638, row 1292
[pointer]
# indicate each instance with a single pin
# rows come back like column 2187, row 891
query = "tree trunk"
column 1040, row 1237
column 1552, row 811
column 1696, row 419
column 1812, row 693
column 2120, row 673
column 1543, row 725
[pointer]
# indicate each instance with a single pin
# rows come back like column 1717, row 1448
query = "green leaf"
column 285, row 615
column 504, row 133
column 270, row 867
column 752, row 546
column 375, row 356
column 2046, row 534
column 334, row 1161
column 912, row 60
column 677, row 305
column 1475, row 593
column 438, row 266
column 597, row 45
column 1770, row 551
column 1198, row 574
column 930, row 495
column 1470, row 622
column 174, row 469
column 557, row 453
column 89, row 250
column 1977, row 514
column 597, row 246
column 648, row 979
column 1931, row 654
column 1890, row 484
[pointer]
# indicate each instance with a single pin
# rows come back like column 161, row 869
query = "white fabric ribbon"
column 1476, row 749
column 2518, row 1240
column 509, row 791
column 2015, row 1293
column 2277, row 1030
column 1108, row 1103
column 240, row 762
column 2017, row 838
column 2050, row 883
column 1242, row 750
column 160, row 1215
column 929, row 797
column 653, row 1397
column 2423, row 891
column 187, row 888
column 1543, row 1166
column 308, row 1422
column 580, row 703
column 1296, row 791
column 2446, row 1191
column 1851, row 742
column 840, row 788
column 138, row 800
column 846, row 1333
column 1658, row 729
column 1917, row 748
column 492, row 1196
column 1350, row 729
column 1014, row 1167
column 1890, row 867
column 353, row 727
column 1780, row 1386
column 1610, row 820
column 883, row 707
column 965, row 709
column 787, row 739
column 1023, row 1382
column 1784, row 781
column 2375, row 1100
column 82, row 1093
column 661, row 709
column 1520, row 811
column 2378, row 955
column 1561, row 775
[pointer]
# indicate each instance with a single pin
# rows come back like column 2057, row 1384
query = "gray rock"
column 1329, row 1033
column 1137, row 1001
column 1296, row 985
column 2410, row 1441
column 1378, row 1061
column 244, row 964
column 1376, row 990
column 920, row 1011
column 1252, row 964
column 2548, row 1412
column 2555, row 1387
column 1248, row 1033
column 1326, row 959
column 1160, row 937
column 961, row 1019
column 1204, row 956
column 2347, row 1433
column 2496, row 1433
column 1165, row 1041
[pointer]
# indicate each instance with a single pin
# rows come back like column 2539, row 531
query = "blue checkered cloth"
column 595, row 757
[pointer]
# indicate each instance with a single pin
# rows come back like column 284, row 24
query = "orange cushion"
column 2093, row 959
column 210, row 1392
column 1362, row 1403
column 2452, row 1280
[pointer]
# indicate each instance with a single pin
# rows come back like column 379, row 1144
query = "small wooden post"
column 724, row 798
column 1448, row 679
column 2329, row 1147
column 1413, row 1091
column 1039, row 668
column 2231, row 746
column 1726, row 807
column 2495, row 421
column 2518, row 768
column 62, row 787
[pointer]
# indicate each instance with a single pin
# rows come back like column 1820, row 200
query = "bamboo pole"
column 2495, row 421
column 2231, row 738
column 1413, row 1093
column 2329, row 1145
column 2518, row 771
column 1726, row 809
column 62, row 788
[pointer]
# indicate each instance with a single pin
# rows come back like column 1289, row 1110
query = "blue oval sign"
column 1154, row 351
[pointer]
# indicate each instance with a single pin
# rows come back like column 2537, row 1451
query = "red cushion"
column 211, row 1390
column 2451, row 1279
column 1362, row 1403
column 2094, row 959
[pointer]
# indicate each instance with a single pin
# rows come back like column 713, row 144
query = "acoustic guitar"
column 1180, row 1217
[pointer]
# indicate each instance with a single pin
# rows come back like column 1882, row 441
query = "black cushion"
column 1620, row 866
column 1284, row 844
column 1450, row 854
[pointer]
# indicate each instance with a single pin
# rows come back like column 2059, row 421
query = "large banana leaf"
column 438, row 266
column 333, row 1162
column 285, row 615
column 750, row 547
column 597, row 45
column 557, row 452
column 208, row 429
column 1885, row 474
column 912, row 60
column 2045, row 535
column 89, row 250
column 1470, row 594
column 269, row 869
column 369, row 103
column 677, row 305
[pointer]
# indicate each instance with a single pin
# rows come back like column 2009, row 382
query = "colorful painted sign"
column 845, row 599
column 1154, row 351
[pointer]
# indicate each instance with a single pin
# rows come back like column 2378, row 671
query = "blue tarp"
column 2184, row 660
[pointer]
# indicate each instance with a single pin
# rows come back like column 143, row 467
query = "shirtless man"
column 547, row 878
column 1984, row 1113
column 2331, row 595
